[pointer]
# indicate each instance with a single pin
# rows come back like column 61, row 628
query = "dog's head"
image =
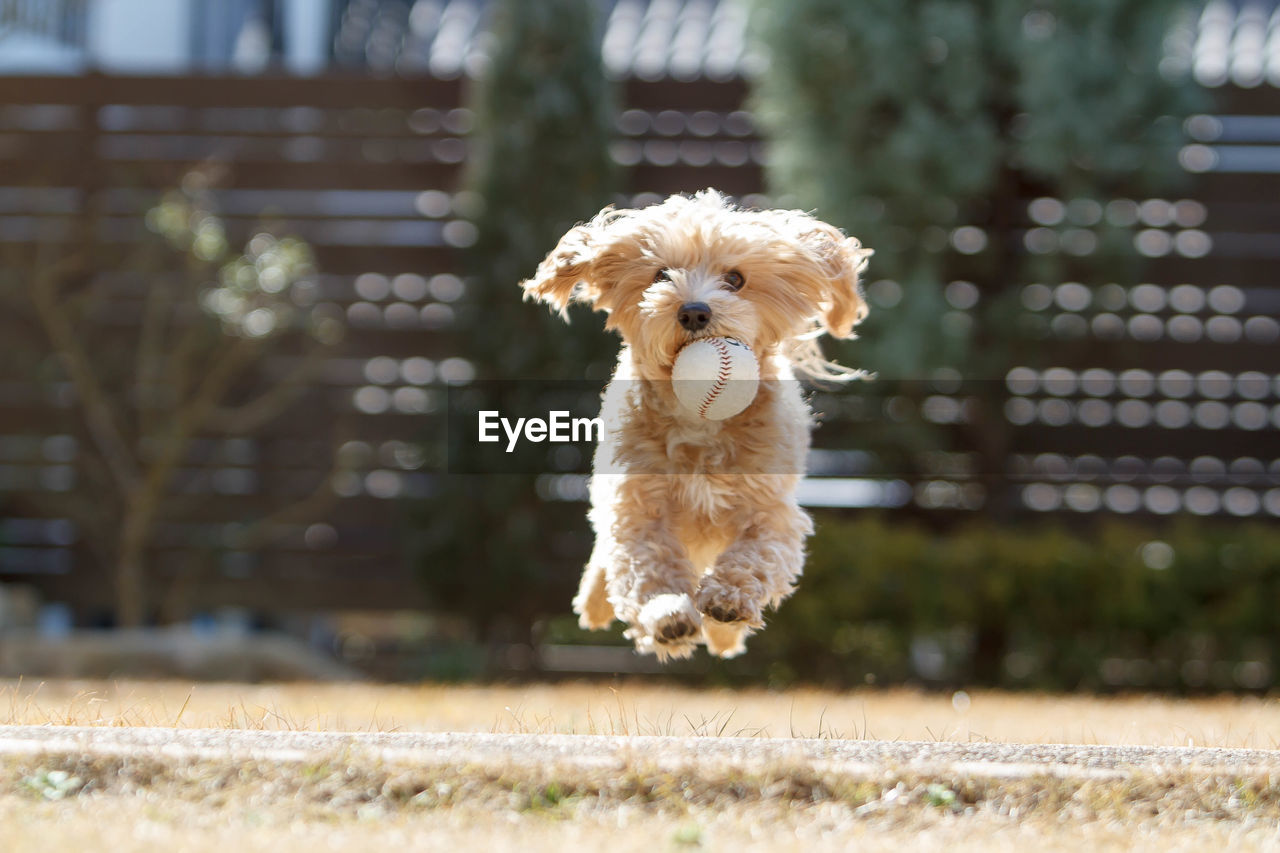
column 699, row 266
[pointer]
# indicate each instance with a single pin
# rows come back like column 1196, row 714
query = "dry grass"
column 137, row 825
column 141, row 805
column 638, row 708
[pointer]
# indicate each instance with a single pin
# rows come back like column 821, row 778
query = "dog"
column 697, row 526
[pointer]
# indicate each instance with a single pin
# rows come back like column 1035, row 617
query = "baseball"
column 715, row 378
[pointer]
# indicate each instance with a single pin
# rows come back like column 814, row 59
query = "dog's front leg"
column 758, row 570
column 650, row 578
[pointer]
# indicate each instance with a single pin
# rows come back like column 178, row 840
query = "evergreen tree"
column 924, row 129
column 544, row 116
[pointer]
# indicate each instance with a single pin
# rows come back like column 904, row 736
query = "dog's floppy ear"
column 842, row 259
column 565, row 274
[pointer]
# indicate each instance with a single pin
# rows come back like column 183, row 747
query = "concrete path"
column 600, row 752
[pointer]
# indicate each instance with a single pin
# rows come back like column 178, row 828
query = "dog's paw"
column 663, row 651
column 725, row 640
column 728, row 604
column 668, row 626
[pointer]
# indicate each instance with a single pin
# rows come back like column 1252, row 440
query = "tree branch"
column 191, row 415
column 266, row 530
column 100, row 416
column 269, row 405
column 150, row 355
column 184, row 352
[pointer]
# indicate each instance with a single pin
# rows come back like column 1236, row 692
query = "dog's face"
column 696, row 267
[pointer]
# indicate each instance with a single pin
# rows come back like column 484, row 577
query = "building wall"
column 140, row 36
column 179, row 36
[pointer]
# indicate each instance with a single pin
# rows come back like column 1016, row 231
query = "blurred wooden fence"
column 1181, row 416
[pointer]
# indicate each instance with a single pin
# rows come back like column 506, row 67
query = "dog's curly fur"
column 697, row 526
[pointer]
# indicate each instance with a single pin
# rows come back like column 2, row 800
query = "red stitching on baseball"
column 721, row 380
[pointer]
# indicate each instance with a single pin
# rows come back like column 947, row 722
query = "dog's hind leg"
column 592, row 601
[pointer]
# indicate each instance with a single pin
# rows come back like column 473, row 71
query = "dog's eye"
column 733, row 280
column 661, row 275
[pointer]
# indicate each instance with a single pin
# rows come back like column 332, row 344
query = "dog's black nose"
column 694, row 315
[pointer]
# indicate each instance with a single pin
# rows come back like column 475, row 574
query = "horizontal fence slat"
column 278, row 91
column 692, row 95
column 164, row 174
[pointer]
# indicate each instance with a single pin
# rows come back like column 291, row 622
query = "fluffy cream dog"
column 697, row 526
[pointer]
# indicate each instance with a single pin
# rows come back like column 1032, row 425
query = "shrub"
column 1191, row 607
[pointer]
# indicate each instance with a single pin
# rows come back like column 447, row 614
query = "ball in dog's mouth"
column 715, row 378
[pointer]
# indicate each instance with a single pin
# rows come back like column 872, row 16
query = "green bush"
column 1191, row 607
